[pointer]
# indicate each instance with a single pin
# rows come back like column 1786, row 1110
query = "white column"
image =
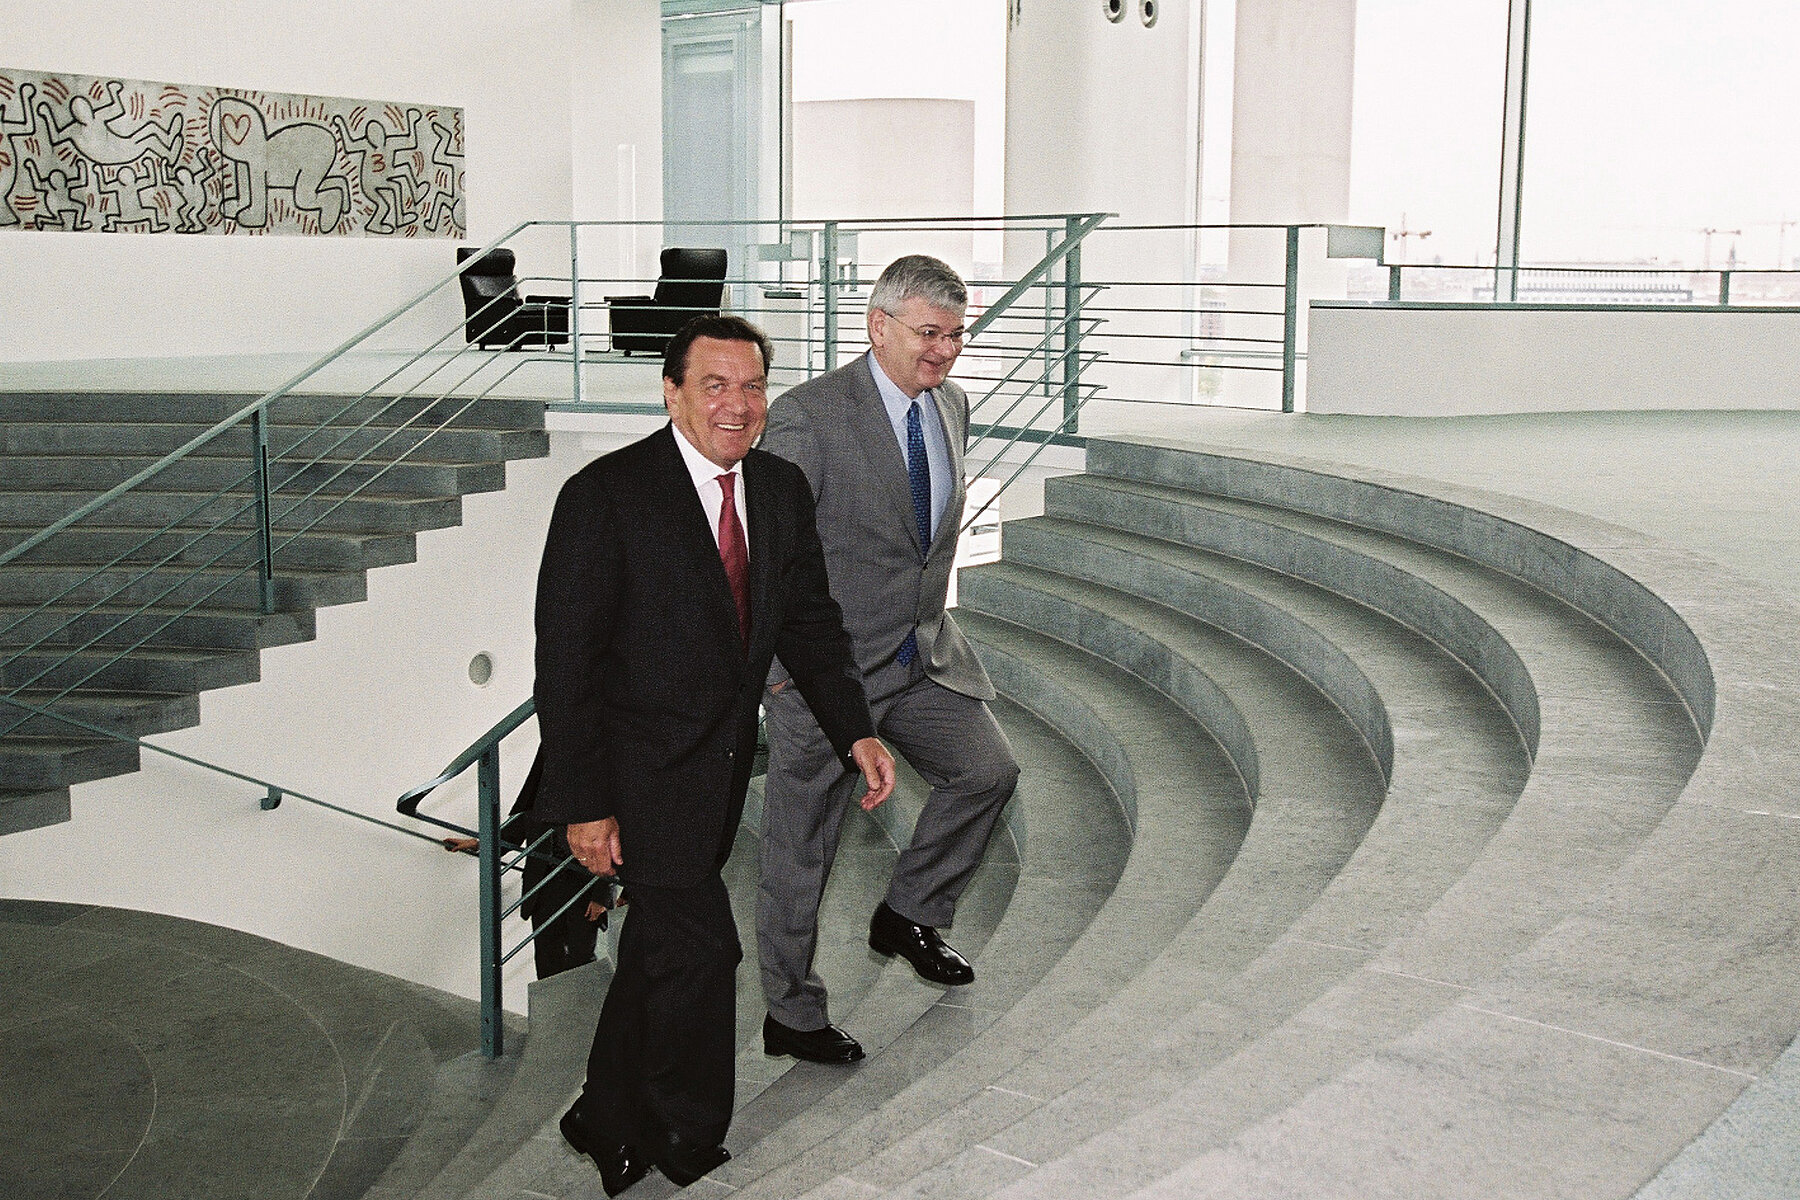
column 1290, row 156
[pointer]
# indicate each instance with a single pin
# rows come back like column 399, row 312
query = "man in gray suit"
column 881, row 441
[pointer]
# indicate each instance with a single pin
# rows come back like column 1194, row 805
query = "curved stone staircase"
column 347, row 500
column 1376, row 837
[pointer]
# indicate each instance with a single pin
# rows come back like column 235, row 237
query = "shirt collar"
column 892, row 398
column 703, row 470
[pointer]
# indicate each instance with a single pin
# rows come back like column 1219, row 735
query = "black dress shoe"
column 920, row 945
column 620, row 1165
column 827, row 1045
column 682, row 1162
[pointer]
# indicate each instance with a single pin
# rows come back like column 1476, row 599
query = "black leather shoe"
column 920, row 945
column 682, row 1162
column 827, row 1045
column 620, row 1165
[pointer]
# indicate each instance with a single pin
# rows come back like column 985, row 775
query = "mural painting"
column 88, row 153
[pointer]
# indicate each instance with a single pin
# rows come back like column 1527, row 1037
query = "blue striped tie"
column 918, row 474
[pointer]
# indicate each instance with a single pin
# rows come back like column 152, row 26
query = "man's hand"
column 595, row 844
column 877, row 768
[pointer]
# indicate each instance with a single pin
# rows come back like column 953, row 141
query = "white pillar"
column 1290, row 155
column 1101, row 116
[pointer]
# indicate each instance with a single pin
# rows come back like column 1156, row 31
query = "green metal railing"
column 1042, row 346
column 1581, row 286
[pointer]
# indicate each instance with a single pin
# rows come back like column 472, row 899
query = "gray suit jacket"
column 835, row 428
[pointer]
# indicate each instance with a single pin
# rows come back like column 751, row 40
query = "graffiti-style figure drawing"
column 384, row 172
column 11, row 129
column 446, row 199
column 192, row 209
column 97, row 136
column 116, row 155
column 134, row 208
column 57, row 196
column 298, row 158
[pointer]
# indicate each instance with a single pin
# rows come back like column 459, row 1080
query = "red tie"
column 733, row 553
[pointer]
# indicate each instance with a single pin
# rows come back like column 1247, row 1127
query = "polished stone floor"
column 145, row 1056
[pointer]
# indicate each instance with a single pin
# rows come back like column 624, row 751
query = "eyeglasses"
column 931, row 335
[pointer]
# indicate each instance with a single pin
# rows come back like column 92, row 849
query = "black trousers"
column 664, row 1050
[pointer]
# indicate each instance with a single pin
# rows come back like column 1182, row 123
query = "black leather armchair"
column 495, row 315
column 692, row 284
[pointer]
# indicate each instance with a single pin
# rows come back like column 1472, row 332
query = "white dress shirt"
column 705, row 474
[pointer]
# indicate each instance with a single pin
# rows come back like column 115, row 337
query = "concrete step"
column 32, row 808
column 1418, row 993
column 45, row 764
column 156, row 510
column 133, row 714
column 1075, row 845
column 71, row 625
column 1320, row 791
column 1458, row 768
column 208, row 408
column 94, row 545
column 418, row 443
column 333, row 477
column 217, row 588
column 143, row 669
column 1190, row 813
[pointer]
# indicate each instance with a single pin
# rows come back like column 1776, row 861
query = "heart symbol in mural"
column 237, row 128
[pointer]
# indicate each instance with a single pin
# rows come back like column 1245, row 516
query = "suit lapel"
column 951, row 419
column 875, row 434
column 695, row 541
column 759, row 502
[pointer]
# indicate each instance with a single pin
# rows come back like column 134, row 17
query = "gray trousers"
column 950, row 739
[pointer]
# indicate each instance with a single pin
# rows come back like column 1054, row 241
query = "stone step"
column 1190, row 812
column 1418, row 992
column 421, row 442
column 209, row 408
column 1076, row 844
column 71, row 625
column 93, row 545
column 32, row 808
column 157, row 510
column 1458, row 768
column 143, row 669
column 44, row 764
column 133, row 714
column 333, row 477
column 231, row 589
column 1320, row 790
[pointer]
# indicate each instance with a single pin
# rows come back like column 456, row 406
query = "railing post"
column 1071, row 365
column 1394, row 281
column 265, row 548
column 1049, row 322
column 1724, row 289
column 828, row 254
column 1290, row 329
column 575, row 304
column 487, row 775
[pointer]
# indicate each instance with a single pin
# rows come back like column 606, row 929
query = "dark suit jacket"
column 646, row 696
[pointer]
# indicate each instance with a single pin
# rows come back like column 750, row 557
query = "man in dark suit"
column 675, row 569
column 881, row 441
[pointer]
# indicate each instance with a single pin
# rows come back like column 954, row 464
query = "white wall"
column 1375, row 359
column 616, row 149
column 379, row 702
column 97, row 295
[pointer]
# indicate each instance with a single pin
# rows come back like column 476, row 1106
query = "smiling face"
column 722, row 401
column 912, row 361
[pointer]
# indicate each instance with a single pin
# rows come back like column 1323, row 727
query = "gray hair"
column 919, row 275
